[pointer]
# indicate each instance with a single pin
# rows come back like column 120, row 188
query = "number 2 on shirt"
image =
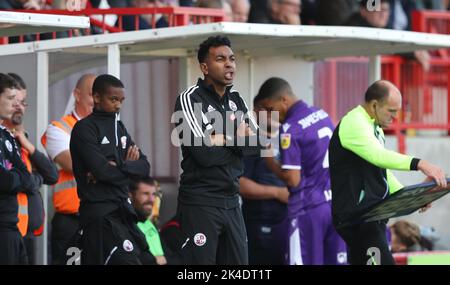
column 323, row 133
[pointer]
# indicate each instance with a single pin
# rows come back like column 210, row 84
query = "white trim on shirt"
column 57, row 141
column 293, row 167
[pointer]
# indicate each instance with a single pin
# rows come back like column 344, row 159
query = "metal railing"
column 341, row 82
column 133, row 17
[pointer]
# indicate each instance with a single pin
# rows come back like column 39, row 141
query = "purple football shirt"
column 304, row 138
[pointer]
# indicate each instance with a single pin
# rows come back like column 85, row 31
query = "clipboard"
column 404, row 202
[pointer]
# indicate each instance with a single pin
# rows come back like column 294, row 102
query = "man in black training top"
column 215, row 131
column 104, row 158
column 14, row 178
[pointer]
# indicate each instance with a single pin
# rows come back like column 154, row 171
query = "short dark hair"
column 378, row 91
column 213, row 41
column 19, row 81
column 271, row 89
column 7, row 81
column 103, row 81
column 134, row 184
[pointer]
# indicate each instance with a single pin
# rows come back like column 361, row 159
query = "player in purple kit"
column 304, row 137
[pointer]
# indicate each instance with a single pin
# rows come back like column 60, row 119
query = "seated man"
column 143, row 193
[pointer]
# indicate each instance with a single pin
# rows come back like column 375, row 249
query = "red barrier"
column 176, row 16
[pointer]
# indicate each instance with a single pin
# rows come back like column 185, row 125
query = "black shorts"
column 213, row 235
column 115, row 240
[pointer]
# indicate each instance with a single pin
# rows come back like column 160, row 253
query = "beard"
column 142, row 213
column 17, row 118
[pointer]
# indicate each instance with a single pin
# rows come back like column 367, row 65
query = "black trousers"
column 12, row 248
column 367, row 244
column 213, row 235
column 267, row 242
column 64, row 227
column 114, row 240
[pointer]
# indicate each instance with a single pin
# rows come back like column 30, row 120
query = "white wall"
column 251, row 74
column 437, row 151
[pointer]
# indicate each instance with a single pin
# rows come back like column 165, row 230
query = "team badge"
column 127, row 245
column 8, row 146
column 285, row 141
column 342, row 257
column 123, row 140
column 233, row 105
column 199, row 239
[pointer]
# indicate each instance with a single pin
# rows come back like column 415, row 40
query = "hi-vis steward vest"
column 65, row 197
column 22, row 201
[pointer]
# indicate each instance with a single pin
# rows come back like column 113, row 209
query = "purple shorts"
column 313, row 239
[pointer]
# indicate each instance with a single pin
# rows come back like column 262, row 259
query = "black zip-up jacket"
column 14, row 178
column 46, row 168
column 211, row 173
column 102, row 187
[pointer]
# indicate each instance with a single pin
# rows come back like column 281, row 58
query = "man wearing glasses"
column 31, row 211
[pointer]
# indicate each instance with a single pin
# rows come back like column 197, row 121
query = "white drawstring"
column 115, row 128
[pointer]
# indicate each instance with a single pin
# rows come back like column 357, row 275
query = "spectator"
column 281, row 12
column 146, row 20
column 185, row 3
column 309, row 13
column 399, row 18
column 380, row 19
column 112, row 3
column 407, row 237
column 217, row 4
column 366, row 18
column 431, row 4
column 240, row 9
column 21, row 4
column 335, row 12
column 259, row 13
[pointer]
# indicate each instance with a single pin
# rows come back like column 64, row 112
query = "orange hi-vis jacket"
column 22, row 200
column 65, row 197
